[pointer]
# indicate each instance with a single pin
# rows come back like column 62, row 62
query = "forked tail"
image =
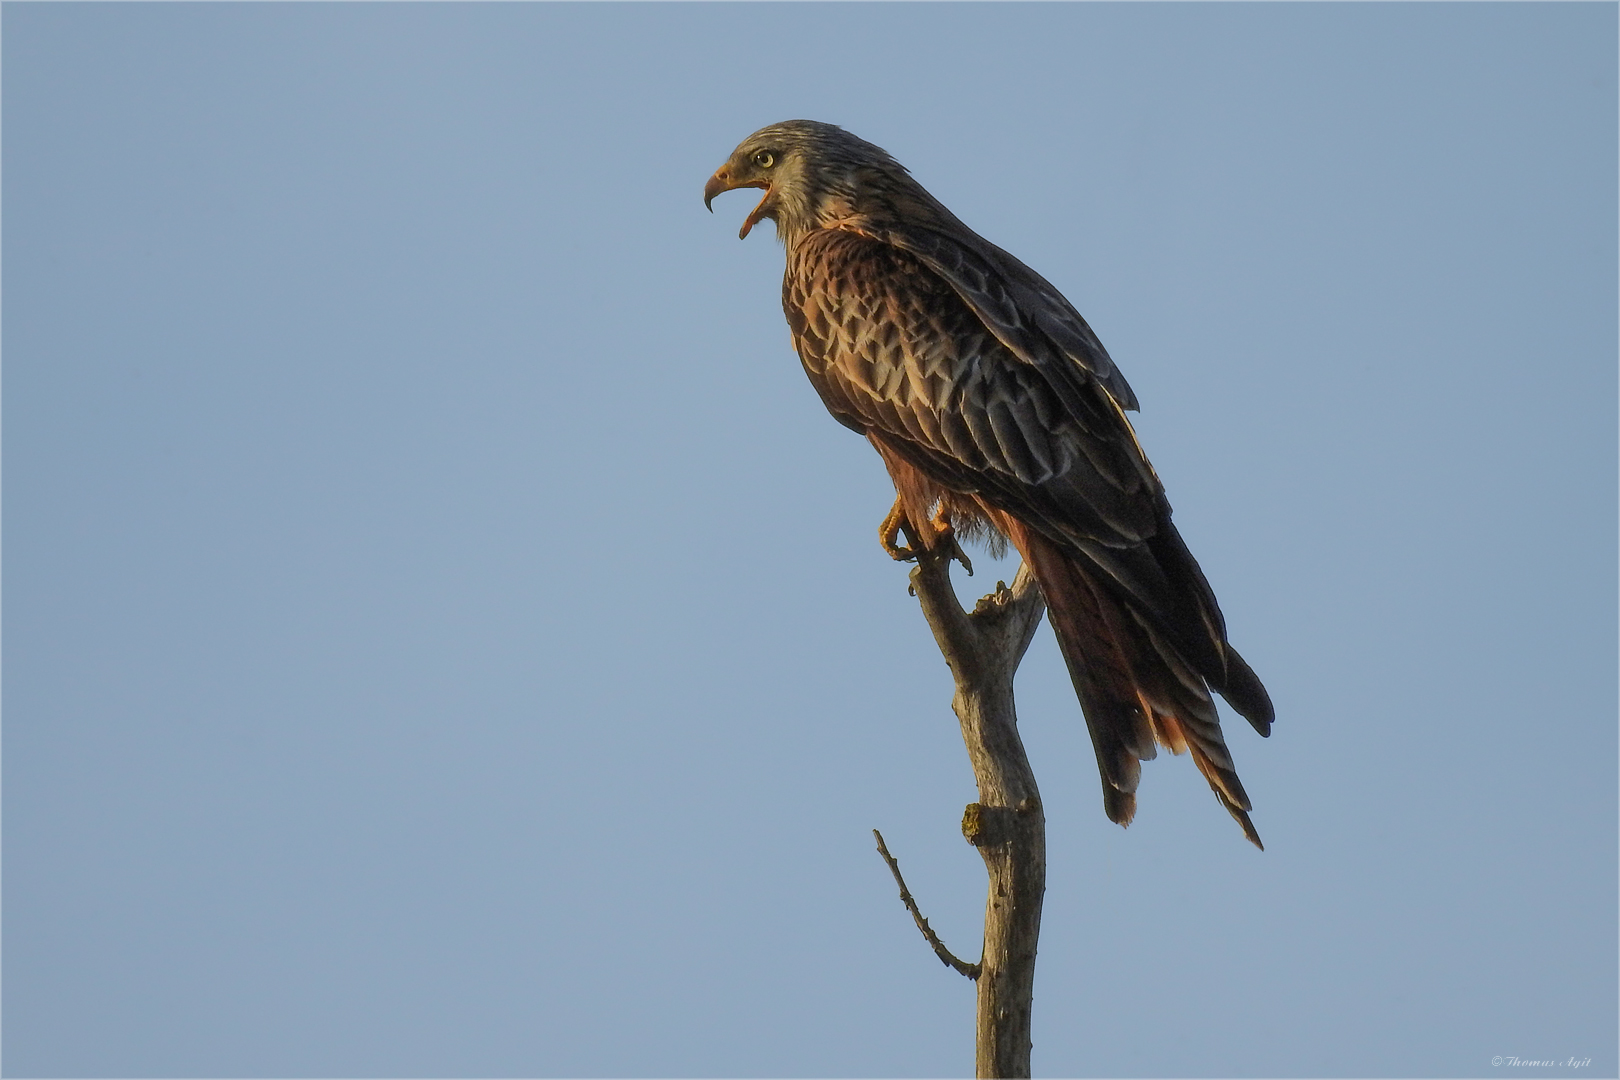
column 1135, row 689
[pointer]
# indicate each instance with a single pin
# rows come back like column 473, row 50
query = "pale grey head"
column 814, row 176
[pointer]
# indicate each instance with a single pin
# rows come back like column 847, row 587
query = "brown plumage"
column 1000, row 415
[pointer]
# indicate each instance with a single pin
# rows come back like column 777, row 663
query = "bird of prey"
column 1001, row 417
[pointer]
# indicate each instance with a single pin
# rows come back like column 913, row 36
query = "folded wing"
column 991, row 386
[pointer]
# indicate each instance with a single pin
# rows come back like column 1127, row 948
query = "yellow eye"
column 764, row 159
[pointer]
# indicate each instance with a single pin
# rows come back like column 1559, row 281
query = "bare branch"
column 962, row 967
column 954, row 629
column 1007, row 825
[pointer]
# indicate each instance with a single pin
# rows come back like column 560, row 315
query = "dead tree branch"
column 1007, row 825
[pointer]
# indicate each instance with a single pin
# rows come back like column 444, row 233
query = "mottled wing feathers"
column 1036, row 323
column 896, row 353
column 890, row 345
column 961, row 388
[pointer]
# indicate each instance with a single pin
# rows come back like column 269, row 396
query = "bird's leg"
column 941, row 533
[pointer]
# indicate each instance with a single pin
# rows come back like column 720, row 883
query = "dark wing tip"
column 1121, row 392
column 1245, row 693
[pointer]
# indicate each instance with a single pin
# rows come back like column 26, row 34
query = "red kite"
column 1001, row 417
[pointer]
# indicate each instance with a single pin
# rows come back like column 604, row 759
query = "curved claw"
column 944, row 531
column 957, row 553
column 889, row 535
column 944, row 535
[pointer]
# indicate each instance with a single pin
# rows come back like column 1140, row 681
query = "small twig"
column 944, row 954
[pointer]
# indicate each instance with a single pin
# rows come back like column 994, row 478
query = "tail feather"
column 1135, row 688
column 1184, row 716
column 1117, row 717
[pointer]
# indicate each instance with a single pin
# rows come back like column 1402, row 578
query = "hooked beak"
column 722, row 181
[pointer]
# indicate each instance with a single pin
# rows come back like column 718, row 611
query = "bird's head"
column 814, row 176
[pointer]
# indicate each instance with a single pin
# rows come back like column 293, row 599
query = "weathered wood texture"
column 1007, row 824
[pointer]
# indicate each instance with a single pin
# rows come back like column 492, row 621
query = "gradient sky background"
column 445, row 635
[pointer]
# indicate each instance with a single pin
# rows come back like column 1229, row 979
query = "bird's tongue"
column 754, row 218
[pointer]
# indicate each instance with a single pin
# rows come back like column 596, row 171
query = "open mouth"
column 759, row 212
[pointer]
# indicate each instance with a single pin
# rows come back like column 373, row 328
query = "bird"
column 1001, row 418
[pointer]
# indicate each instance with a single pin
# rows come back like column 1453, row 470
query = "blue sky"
column 445, row 635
